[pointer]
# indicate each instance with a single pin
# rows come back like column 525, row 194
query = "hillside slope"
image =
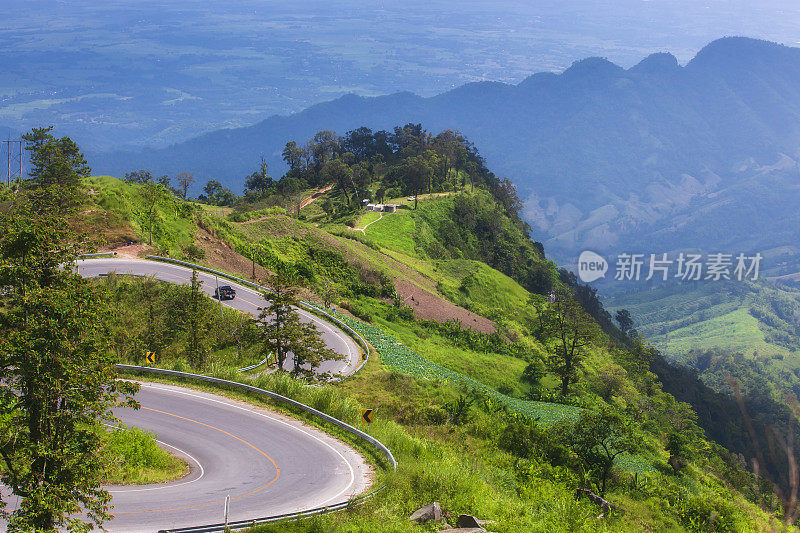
column 422, row 370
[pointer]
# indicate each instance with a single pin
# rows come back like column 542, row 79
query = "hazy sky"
column 147, row 72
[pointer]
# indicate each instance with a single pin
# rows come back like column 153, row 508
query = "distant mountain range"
column 654, row 158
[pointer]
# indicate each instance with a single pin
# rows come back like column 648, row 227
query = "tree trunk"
column 565, row 377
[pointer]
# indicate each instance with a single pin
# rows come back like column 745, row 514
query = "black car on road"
column 225, row 292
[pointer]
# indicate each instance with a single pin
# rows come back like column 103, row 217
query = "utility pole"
column 13, row 159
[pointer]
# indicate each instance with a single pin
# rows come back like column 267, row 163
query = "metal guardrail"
column 99, row 254
column 242, row 524
column 378, row 445
column 253, row 367
column 306, row 305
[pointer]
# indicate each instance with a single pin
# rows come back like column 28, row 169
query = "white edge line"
column 254, row 411
column 167, row 485
column 146, row 263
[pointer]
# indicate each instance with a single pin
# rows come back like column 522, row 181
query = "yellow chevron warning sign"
column 151, row 357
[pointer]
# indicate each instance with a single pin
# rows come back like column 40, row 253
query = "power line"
column 13, row 159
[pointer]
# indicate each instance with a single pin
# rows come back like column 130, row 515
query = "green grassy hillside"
column 756, row 322
column 467, row 426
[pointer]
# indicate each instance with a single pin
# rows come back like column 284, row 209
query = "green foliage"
column 283, row 333
column 245, row 216
column 356, row 236
column 468, row 226
column 150, row 315
column 598, row 439
column 568, row 332
column 133, row 457
column 459, row 410
column 399, row 357
column 54, row 161
column 197, row 322
column 174, row 222
column 55, row 364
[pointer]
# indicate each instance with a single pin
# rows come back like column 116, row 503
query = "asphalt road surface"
column 247, row 300
column 267, row 463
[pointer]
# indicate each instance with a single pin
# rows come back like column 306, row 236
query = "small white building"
column 385, row 208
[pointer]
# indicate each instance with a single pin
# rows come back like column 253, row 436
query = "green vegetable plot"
column 403, row 359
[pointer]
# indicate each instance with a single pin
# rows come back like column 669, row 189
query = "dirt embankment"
column 220, row 255
column 427, row 306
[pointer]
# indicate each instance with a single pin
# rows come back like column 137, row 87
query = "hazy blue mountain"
column 656, row 157
column 129, row 74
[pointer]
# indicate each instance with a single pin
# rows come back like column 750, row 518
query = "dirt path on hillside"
column 131, row 251
column 427, row 306
column 364, row 229
column 220, row 255
column 315, row 196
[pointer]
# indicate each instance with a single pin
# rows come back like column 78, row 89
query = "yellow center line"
column 277, row 468
column 187, row 279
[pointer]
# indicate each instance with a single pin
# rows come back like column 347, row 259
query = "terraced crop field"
column 398, row 356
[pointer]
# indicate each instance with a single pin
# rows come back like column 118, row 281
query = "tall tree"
column 568, row 332
column 185, row 180
column 285, row 334
column 418, row 174
column 624, row 319
column 56, row 169
column 139, row 176
column 55, row 365
column 598, row 439
column 292, row 155
column 279, row 320
column 55, row 161
column 259, row 181
column 325, row 146
column 197, row 344
column 336, row 171
column 152, row 194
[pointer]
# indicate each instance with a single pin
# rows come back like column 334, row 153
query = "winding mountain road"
column 267, row 463
column 247, row 300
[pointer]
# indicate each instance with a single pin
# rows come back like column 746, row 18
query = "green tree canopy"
column 55, row 364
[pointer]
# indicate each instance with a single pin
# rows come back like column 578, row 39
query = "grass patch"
column 405, row 360
column 368, row 218
column 737, row 330
column 135, row 458
column 394, row 231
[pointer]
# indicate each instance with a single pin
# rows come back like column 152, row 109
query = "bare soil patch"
column 427, row 306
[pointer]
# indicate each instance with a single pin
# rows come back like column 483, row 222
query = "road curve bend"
column 247, row 300
column 267, row 463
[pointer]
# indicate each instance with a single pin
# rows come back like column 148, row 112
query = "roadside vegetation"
column 499, row 382
column 133, row 457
